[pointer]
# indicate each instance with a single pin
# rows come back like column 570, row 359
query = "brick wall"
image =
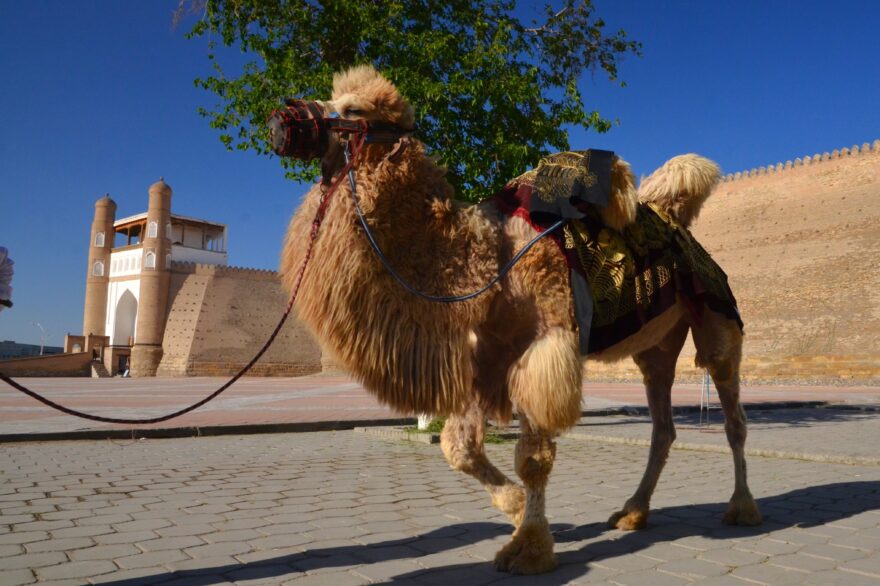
column 219, row 317
column 76, row 364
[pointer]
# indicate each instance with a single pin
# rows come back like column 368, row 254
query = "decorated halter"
column 301, row 130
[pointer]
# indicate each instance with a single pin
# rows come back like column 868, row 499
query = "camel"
column 514, row 348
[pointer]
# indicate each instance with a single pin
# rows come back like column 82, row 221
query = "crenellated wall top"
column 222, row 271
column 853, row 151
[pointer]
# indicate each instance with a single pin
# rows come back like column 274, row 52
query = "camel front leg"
column 531, row 549
column 462, row 445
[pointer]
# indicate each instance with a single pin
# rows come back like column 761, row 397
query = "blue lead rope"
column 436, row 298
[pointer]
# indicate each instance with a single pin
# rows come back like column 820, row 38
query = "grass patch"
column 435, row 426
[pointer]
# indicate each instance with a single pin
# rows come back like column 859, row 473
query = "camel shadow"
column 800, row 508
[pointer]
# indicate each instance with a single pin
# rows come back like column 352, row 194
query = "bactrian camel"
column 514, row 348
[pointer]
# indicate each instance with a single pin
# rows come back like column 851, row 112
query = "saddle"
column 620, row 279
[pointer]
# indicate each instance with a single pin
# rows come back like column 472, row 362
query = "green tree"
column 492, row 94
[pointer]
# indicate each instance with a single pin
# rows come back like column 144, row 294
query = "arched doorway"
column 125, row 319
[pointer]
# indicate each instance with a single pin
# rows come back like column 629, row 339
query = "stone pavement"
column 293, row 404
column 346, row 508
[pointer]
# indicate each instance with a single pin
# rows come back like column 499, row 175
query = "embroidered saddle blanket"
column 620, row 280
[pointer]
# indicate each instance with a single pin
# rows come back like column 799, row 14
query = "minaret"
column 95, row 312
column 154, row 283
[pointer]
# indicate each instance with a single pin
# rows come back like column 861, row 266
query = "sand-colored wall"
column 800, row 242
column 72, row 364
column 219, row 317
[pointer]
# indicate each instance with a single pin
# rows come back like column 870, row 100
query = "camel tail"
column 681, row 186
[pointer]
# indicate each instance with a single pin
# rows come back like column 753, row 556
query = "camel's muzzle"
column 301, row 130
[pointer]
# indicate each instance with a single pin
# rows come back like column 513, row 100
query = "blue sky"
column 98, row 97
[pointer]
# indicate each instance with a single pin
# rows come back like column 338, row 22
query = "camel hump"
column 681, row 186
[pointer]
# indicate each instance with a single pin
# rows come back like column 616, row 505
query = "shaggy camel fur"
column 513, row 348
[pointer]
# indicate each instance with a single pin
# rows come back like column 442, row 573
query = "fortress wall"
column 219, row 317
column 800, row 242
column 68, row 364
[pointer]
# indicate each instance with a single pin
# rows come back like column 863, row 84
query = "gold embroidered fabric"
column 556, row 174
column 631, row 270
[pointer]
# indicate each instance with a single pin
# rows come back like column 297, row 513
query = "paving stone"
column 668, row 552
column 13, row 519
column 283, row 540
column 869, row 566
column 693, row 568
column 859, row 540
column 164, row 543
column 389, row 570
column 769, row 574
column 82, row 531
column 138, row 577
column 246, row 523
column 628, row 563
column 150, row 559
column 72, row 570
column 42, row 525
column 206, row 565
column 285, row 555
column 229, row 548
column 802, row 562
column 336, row 579
column 17, row 549
column 33, row 560
column 126, row 537
column 649, row 578
column 186, row 530
column 732, row 557
column 105, row 520
column 213, row 579
column 141, row 525
column 841, row 578
column 725, row 580
column 834, row 552
column 17, row 538
column 233, row 535
column 11, row 577
column 262, row 574
column 768, row 547
column 104, row 552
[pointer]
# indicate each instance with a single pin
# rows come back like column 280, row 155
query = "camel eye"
column 354, row 112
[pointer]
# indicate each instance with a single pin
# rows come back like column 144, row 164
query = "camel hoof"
column 529, row 552
column 743, row 512
column 628, row 520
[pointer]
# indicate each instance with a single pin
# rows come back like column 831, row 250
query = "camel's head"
column 363, row 101
column 363, row 93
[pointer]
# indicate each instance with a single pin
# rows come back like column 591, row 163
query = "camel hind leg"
column 719, row 350
column 658, row 371
column 462, row 445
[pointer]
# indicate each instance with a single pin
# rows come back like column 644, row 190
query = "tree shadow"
column 794, row 417
column 765, row 418
column 800, row 508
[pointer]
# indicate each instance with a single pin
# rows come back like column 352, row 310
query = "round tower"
column 154, row 282
column 95, row 312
